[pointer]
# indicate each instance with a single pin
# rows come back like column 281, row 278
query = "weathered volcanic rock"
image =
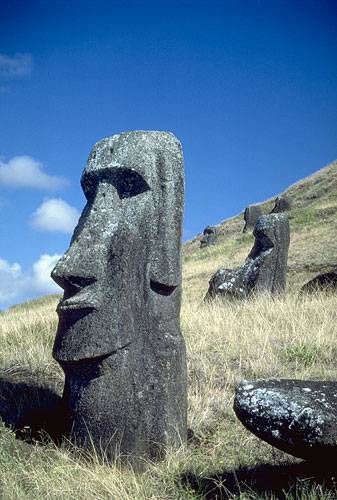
column 210, row 235
column 282, row 204
column 251, row 215
column 296, row 416
column 265, row 268
column 228, row 283
column 323, row 282
column 118, row 339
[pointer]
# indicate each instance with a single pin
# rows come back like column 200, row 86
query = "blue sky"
column 248, row 86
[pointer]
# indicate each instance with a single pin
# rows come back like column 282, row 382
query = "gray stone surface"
column 282, row 204
column 228, row 283
column 296, row 416
column 251, row 215
column 118, row 339
column 326, row 282
column 266, row 265
column 210, row 235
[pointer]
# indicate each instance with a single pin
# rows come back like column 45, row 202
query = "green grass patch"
column 302, row 354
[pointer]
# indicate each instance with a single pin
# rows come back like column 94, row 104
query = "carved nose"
column 84, row 260
column 68, row 274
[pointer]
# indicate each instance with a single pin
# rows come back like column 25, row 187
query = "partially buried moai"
column 118, row 339
column 265, row 268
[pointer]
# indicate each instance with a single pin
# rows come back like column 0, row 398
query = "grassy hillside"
column 313, row 243
column 226, row 342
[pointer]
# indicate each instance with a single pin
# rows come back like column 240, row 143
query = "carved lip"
column 94, row 359
column 72, row 305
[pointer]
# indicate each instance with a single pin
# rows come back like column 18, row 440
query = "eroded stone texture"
column 296, row 416
column 210, row 235
column 229, row 283
column 118, row 339
column 251, row 215
column 266, row 265
column 326, row 282
column 282, row 204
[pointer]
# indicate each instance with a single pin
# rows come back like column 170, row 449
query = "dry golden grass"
column 226, row 342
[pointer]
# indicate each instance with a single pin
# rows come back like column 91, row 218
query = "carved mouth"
column 74, row 305
column 162, row 288
column 78, row 293
column 95, row 366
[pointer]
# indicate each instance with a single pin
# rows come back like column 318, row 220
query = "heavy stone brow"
column 127, row 182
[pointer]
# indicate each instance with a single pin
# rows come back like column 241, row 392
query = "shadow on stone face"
column 278, row 481
column 32, row 410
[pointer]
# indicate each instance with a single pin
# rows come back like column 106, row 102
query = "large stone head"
column 122, row 270
column 267, row 261
column 271, row 232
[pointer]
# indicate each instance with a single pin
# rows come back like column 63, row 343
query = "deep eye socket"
column 128, row 183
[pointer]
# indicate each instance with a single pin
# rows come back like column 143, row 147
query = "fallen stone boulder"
column 251, row 215
column 296, row 416
column 210, row 235
column 282, row 204
column 326, row 282
column 266, row 265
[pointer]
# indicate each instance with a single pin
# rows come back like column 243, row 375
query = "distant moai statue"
column 210, row 235
column 266, row 265
column 118, row 339
column 282, row 204
column 251, row 215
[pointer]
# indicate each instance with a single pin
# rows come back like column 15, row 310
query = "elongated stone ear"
column 165, row 270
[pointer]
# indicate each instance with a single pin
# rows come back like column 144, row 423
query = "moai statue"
column 251, row 215
column 118, row 339
column 282, row 204
column 210, row 235
column 265, row 268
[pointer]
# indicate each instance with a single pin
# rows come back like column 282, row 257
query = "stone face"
column 210, row 235
column 323, row 282
column 266, row 265
column 282, row 204
column 296, row 416
column 251, row 215
column 118, row 339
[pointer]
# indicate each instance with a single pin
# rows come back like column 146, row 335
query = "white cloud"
column 41, row 272
column 24, row 171
column 9, row 274
column 18, row 286
column 55, row 214
column 17, row 65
